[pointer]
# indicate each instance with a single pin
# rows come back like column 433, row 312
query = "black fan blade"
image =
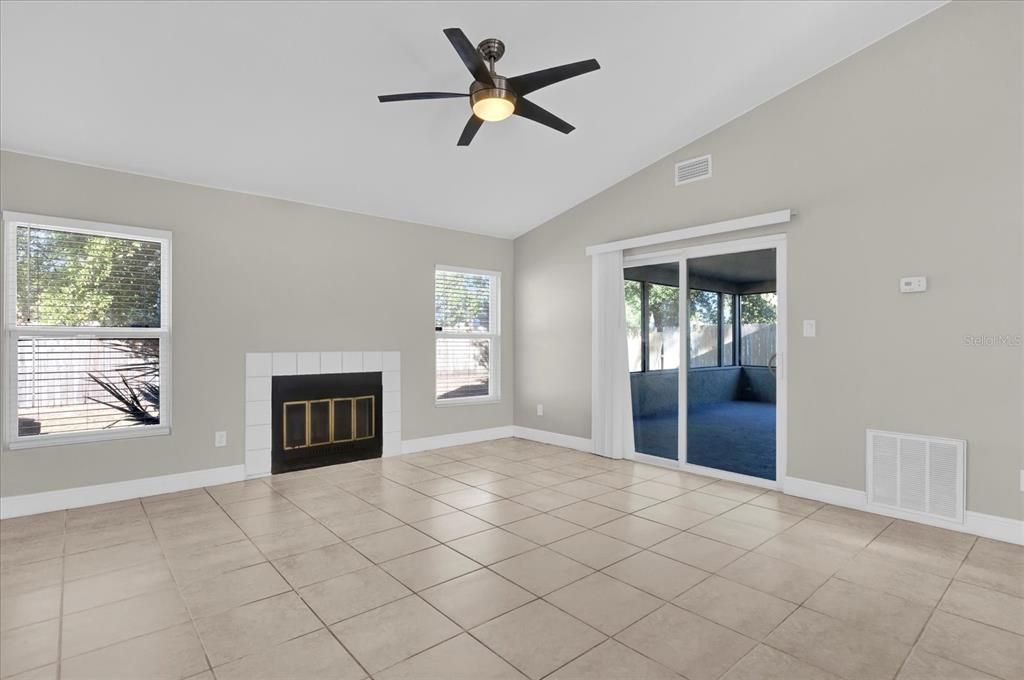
column 468, row 132
column 469, row 54
column 531, row 82
column 412, row 96
column 527, row 109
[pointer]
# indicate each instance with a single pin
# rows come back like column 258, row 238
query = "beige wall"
column 255, row 274
column 903, row 160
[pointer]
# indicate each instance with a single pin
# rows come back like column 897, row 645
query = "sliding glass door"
column 705, row 336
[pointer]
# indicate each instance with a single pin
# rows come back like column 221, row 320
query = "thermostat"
column 913, row 284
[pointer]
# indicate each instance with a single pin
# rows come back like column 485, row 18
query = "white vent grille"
column 693, row 170
column 916, row 473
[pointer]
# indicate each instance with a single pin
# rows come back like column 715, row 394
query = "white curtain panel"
column 611, row 409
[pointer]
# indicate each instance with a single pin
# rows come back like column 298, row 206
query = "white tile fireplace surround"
column 261, row 367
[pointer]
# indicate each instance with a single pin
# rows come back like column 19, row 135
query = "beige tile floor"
column 501, row 560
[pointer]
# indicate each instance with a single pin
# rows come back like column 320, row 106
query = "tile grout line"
column 996, row 591
column 455, row 623
column 412, row 593
column 62, row 614
column 601, row 571
column 289, row 583
column 933, row 608
column 488, row 568
column 593, row 571
column 293, row 590
column 710, row 575
column 60, row 609
column 800, row 606
column 112, row 602
column 177, row 585
column 931, row 615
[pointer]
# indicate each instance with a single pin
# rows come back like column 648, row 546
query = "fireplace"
column 262, row 368
column 325, row 419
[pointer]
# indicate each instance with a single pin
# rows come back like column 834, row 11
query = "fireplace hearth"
column 325, row 419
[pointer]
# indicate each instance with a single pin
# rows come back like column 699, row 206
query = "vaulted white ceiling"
column 279, row 98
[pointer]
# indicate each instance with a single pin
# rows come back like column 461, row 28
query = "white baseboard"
column 993, row 526
column 826, row 493
column 82, row 496
column 977, row 523
column 554, row 438
column 455, row 439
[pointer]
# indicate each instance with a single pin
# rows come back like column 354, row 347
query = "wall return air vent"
column 917, row 474
column 693, row 170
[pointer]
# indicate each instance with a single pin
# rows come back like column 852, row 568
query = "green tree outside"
column 459, row 303
column 74, row 279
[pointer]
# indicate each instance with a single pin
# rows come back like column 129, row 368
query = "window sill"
column 45, row 440
column 466, row 401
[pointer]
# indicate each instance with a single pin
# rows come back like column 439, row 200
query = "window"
column 652, row 326
column 634, row 325
column 87, row 330
column 757, row 316
column 467, row 342
column 728, row 330
column 715, row 337
column 705, row 327
column 662, row 327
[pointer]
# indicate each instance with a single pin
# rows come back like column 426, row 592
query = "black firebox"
column 325, row 420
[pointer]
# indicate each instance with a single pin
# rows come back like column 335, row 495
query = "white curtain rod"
column 762, row 220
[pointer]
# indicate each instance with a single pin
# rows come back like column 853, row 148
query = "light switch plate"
column 540, row 409
column 810, row 328
column 220, row 439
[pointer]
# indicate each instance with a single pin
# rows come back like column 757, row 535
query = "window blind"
column 76, row 279
column 463, row 367
column 79, row 384
column 462, row 302
column 465, row 321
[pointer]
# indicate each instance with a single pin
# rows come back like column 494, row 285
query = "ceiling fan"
column 494, row 97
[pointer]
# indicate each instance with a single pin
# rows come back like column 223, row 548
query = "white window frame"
column 494, row 358
column 9, row 392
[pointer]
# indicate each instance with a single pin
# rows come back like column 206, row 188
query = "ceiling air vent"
column 693, row 170
column 915, row 473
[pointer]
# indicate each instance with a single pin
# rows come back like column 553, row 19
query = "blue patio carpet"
column 738, row 436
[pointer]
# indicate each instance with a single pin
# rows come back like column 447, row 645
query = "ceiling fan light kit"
column 492, row 103
column 493, row 97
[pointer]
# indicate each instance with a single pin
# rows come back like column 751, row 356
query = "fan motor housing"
column 479, row 91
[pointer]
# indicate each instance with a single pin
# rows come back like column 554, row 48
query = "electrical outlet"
column 220, row 439
column 810, row 328
column 540, row 409
column 1022, row 480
